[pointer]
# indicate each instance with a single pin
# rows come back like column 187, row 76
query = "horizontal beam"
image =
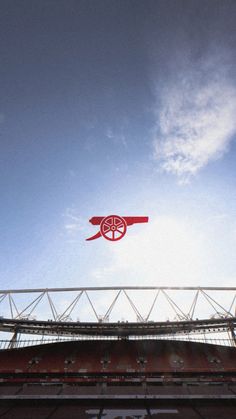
column 40, row 290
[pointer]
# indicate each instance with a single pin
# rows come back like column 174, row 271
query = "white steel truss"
column 118, row 311
column 181, row 303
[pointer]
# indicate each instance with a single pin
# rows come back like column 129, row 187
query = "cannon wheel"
column 113, row 227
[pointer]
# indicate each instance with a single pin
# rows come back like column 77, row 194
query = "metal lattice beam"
column 188, row 310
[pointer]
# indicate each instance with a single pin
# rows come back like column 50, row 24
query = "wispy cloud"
column 195, row 118
column 73, row 222
column 117, row 138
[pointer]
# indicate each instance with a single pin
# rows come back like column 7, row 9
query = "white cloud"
column 164, row 251
column 73, row 222
column 72, row 227
column 196, row 119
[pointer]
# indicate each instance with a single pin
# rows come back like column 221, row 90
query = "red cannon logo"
column 114, row 227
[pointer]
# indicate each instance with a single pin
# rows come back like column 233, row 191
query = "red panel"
column 120, row 357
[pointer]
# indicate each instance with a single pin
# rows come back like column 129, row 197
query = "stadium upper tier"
column 119, row 329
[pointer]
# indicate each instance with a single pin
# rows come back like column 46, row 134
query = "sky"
column 117, row 107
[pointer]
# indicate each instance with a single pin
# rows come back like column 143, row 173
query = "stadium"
column 109, row 366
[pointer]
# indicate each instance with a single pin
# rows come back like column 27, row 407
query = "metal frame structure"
column 191, row 309
column 40, row 294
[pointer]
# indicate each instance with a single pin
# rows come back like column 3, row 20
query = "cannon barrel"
column 95, row 221
column 135, row 220
column 129, row 220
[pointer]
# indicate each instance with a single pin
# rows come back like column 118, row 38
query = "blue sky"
column 117, row 107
